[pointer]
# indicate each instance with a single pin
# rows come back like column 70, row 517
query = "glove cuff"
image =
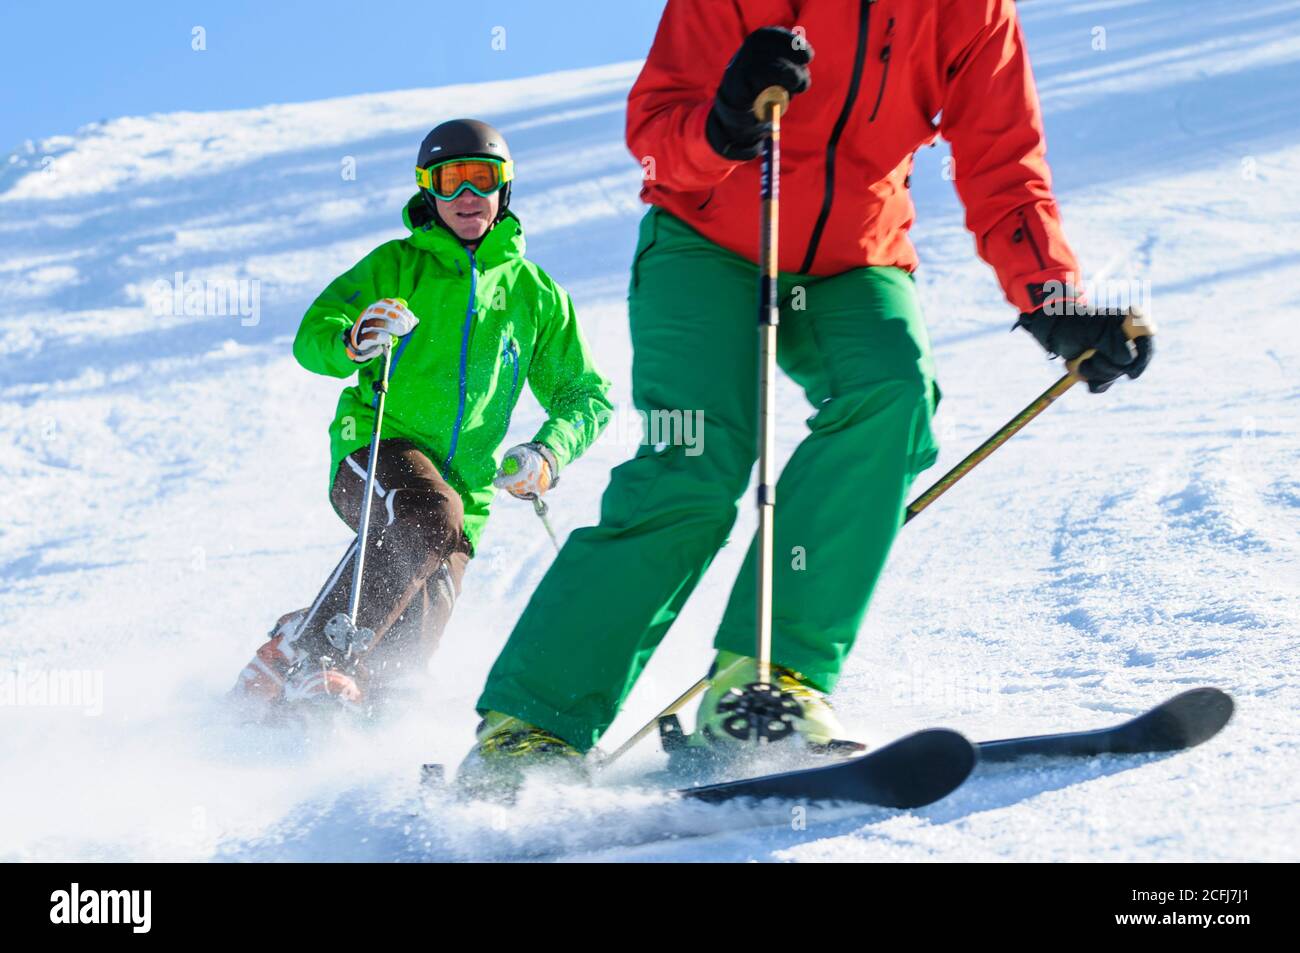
column 549, row 456
column 350, row 346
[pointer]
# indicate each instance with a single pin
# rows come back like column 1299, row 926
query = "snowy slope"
column 164, row 478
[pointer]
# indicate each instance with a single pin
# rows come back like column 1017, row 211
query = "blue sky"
column 65, row 64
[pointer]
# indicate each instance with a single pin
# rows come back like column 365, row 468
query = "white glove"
column 376, row 327
column 527, row 471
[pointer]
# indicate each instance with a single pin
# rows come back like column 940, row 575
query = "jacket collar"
column 504, row 241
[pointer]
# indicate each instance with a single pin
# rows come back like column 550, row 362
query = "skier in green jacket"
column 470, row 320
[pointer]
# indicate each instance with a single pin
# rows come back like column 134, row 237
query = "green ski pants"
column 856, row 343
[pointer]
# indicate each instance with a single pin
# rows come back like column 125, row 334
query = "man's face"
column 470, row 215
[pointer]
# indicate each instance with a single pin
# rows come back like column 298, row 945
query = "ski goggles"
column 481, row 176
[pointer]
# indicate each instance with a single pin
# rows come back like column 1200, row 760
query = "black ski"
column 922, row 768
column 914, row 771
column 1183, row 721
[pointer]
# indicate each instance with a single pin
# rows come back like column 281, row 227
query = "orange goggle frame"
column 481, row 176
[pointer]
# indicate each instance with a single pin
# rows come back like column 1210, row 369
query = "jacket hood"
column 504, row 240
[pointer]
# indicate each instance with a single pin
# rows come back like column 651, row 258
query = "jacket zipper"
column 864, row 21
column 464, row 358
column 512, row 355
column 1033, row 244
column 884, row 73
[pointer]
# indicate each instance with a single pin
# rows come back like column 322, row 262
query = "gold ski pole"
column 770, row 104
column 1135, row 326
column 653, row 723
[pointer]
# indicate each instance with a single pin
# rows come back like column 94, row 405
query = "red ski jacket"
column 888, row 76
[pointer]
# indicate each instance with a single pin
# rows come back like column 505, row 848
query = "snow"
column 165, row 481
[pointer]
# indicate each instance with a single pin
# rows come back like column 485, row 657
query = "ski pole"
column 510, row 466
column 342, row 630
column 680, row 703
column 1135, row 326
column 363, row 528
column 541, row 509
column 770, row 104
column 763, row 709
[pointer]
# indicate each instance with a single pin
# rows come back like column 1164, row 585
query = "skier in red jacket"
column 888, row 77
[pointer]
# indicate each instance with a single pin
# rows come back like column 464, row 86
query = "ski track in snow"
column 166, row 479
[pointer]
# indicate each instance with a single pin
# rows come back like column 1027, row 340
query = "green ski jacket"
column 489, row 321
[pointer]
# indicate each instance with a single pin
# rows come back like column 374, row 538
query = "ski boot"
column 325, row 686
column 282, row 674
column 508, row 748
column 260, row 686
column 739, row 718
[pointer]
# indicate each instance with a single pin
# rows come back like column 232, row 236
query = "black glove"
column 1069, row 329
column 770, row 56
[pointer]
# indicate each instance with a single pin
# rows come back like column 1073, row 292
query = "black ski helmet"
column 463, row 139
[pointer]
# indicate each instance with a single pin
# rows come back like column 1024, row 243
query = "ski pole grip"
column 1136, row 325
column 773, row 97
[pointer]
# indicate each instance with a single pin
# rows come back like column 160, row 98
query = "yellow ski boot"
column 733, row 714
column 507, row 749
